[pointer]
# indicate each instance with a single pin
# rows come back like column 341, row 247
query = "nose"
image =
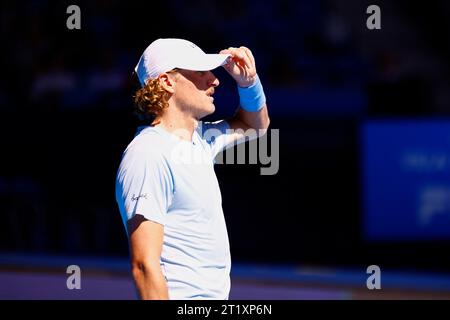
column 212, row 80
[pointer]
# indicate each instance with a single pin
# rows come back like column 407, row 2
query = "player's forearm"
column 258, row 120
column 253, row 112
column 150, row 282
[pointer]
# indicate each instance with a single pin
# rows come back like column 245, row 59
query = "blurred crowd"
column 68, row 96
column 296, row 43
column 66, row 106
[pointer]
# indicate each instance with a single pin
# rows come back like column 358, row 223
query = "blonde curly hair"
column 151, row 99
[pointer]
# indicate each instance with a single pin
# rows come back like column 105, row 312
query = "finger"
column 241, row 55
column 236, row 53
column 235, row 66
column 250, row 64
column 237, row 62
column 250, row 55
column 230, row 64
column 232, row 51
column 229, row 51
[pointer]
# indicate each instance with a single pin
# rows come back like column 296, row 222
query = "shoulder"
column 148, row 145
column 149, row 141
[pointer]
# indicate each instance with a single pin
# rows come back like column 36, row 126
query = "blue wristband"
column 252, row 98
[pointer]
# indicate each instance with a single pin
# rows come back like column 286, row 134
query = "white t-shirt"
column 172, row 182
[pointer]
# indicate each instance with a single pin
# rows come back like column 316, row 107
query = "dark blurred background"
column 364, row 170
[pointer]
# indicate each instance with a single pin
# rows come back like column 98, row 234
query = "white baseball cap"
column 163, row 55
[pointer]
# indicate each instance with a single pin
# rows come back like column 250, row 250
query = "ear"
column 167, row 82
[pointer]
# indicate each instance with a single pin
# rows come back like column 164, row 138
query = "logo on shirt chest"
column 136, row 198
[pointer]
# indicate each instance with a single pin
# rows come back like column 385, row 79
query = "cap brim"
column 205, row 62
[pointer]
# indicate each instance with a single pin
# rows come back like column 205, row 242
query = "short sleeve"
column 144, row 186
column 218, row 135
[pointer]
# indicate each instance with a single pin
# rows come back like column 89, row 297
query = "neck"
column 178, row 123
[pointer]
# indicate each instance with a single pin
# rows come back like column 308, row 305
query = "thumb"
column 228, row 67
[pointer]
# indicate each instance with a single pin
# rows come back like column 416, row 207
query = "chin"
column 208, row 111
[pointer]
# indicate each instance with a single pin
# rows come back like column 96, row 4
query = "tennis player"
column 170, row 202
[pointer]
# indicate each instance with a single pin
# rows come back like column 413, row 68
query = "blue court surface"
column 29, row 276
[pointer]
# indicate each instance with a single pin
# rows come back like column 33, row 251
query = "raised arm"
column 146, row 240
column 252, row 113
